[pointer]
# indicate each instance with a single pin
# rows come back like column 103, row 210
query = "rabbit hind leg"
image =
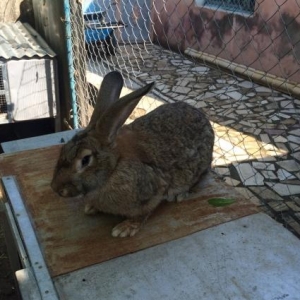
column 182, row 196
column 178, row 194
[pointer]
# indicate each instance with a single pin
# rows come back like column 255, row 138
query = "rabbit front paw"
column 126, row 228
column 182, row 196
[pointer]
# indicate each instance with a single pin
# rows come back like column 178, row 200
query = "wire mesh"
column 3, row 104
column 1, row 78
column 236, row 60
column 3, row 100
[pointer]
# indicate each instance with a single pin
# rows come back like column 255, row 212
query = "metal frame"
column 5, row 92
column 27, row 242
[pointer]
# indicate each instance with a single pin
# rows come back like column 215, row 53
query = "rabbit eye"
column 85, row 161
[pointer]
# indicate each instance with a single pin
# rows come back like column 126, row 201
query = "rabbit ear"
column 109, row 93
column 108, row 126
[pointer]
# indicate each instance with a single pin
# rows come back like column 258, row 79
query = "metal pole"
column 70, row 61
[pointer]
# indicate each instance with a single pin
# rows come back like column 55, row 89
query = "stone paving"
column 257, row 148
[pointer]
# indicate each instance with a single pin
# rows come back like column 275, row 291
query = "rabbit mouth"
column 72, row 191
column 66, row 191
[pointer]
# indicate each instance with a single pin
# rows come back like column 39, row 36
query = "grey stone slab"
column 222, row 171
column 294, row 147
column 274, row 118
column 246, row 84
column 180, row 97
column 228, row 122
column 275, row 131
column 269, row 174
column 248, row 195
column 293, row 206
column 265, row 193
column 202, row 70
column 257, row 132
column 181, row 89
column 283, row 175
column 251, row 258
column 249, row 175
column 285, row 116
column 287, row 104
column 246, row 123
column 222, row 96
column 182, row 72
column 182, row 82
column 191, row 102
column 278, row 206
column 282, row 146
column 198, row 85
column 235, row 95
column 265, row 138
column 242, row 111
column 231, row 181
column 276, row 98
column 200, row 104
column 291, row 111
column 284, row 189
column 280, row 139
column 289, row 165
column 222, row 80
column 205, row 96
column 233, row 81
column 296, row 155
column 262, row 89
column 273, row 106
column 268, row 112
column 177, row 62
column 295, row 132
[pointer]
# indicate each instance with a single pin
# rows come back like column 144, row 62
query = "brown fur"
column 129, row 170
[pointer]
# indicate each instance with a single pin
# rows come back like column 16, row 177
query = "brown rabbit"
column 129, row 170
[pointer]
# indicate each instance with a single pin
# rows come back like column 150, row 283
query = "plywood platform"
column 71, row 240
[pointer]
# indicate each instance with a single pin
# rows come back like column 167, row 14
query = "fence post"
column 70, row 59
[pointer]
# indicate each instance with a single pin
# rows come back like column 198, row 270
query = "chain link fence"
column 237, row 60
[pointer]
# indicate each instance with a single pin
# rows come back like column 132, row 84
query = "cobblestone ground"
column 257, row 148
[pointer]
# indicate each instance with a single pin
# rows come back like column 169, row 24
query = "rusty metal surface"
column 71, row 240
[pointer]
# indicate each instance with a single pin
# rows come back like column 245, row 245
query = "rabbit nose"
column 63, row 192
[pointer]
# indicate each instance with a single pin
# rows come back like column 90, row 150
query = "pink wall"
column 268, row 40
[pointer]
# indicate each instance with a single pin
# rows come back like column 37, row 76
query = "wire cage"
column 27, row 75
column 3, row 100
column 236, row 60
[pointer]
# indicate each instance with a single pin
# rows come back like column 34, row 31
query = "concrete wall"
column 13, row 10
column 9, row 10
column 268, row 40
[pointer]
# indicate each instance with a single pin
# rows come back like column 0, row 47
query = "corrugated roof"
column 19, row 40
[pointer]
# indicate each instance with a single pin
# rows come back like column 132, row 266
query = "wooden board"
column 71, row 240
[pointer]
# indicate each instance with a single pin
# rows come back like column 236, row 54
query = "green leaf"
column 220, row 201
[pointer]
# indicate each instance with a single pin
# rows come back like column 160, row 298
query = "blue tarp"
column 92, row 10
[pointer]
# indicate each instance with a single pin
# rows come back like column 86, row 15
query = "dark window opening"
column 233, row 5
